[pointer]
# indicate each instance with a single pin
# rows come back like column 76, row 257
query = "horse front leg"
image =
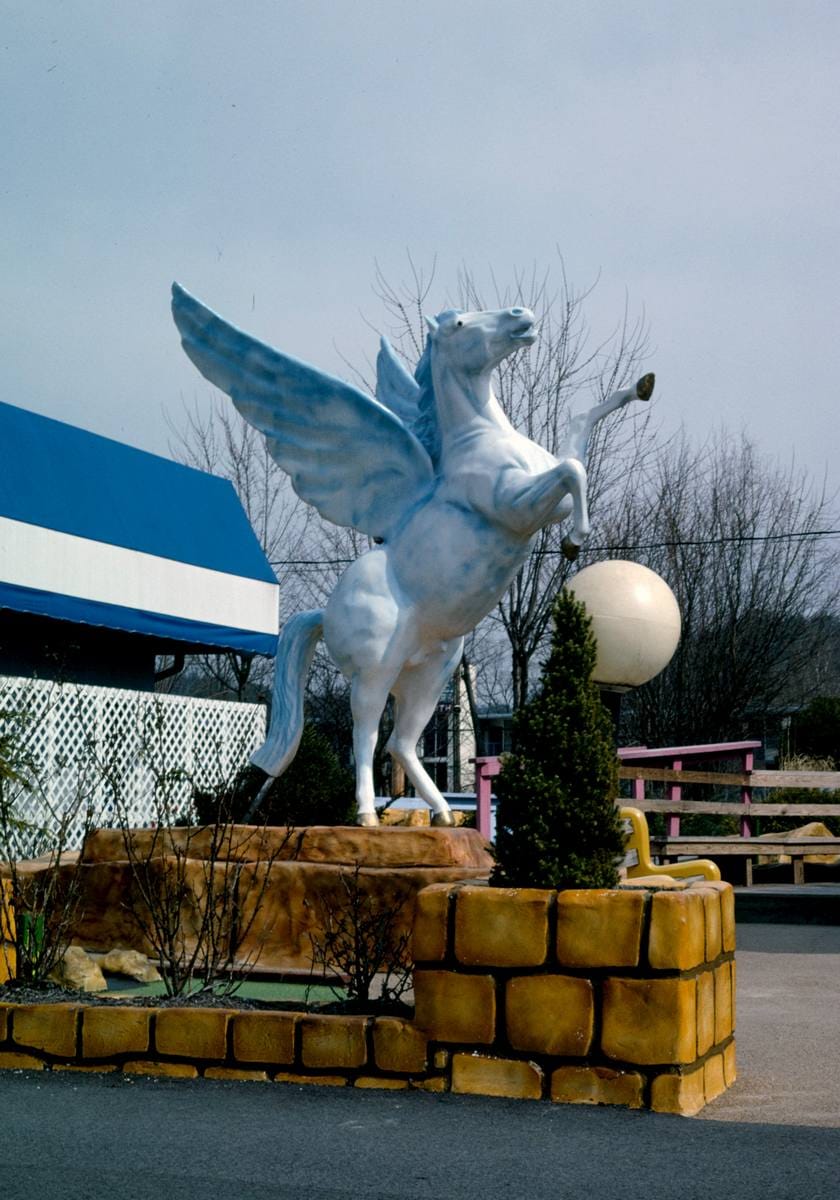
column 540, row 500
column 576, row 482
column 580, row 429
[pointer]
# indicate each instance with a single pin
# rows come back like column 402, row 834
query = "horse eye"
column 459, row 323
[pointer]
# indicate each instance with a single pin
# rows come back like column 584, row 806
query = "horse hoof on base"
column 443, row 819
column 368, row 820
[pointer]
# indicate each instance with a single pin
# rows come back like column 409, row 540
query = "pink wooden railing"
column 673, row 758
column 679, row 758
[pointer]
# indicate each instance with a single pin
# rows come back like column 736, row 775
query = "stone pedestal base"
column 304, row 867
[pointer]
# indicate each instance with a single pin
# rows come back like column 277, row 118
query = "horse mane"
column 426, row 428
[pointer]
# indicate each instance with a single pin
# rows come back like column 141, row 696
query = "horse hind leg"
column 367, row 700
column 416, row 693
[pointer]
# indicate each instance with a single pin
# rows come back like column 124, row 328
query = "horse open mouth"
column 527, row 334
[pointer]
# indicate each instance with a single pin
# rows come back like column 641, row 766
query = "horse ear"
column 431, row 324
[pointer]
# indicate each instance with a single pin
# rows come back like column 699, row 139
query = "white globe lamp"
column 635, row 620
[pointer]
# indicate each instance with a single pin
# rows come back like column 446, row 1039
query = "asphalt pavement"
column 776, row 1134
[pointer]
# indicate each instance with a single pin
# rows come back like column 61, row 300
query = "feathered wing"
column 396, row 388
column 346, row 454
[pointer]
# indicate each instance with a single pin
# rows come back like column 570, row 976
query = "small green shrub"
column 315, row 790
column 557, row 821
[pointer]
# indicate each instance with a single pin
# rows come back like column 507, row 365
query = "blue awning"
column 97, row 532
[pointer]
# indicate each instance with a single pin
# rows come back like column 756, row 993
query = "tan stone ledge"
column 324, row 1080
column 175, row 1070
column 13, row 1060
column 485, row 1075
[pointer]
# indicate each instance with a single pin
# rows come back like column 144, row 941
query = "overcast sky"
column 266, row 153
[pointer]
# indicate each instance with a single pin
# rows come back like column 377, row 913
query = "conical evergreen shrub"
column 557, row 824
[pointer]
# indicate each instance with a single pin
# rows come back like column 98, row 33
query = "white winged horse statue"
column 435, row 473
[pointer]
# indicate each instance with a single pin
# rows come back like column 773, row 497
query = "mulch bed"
column 54, row 994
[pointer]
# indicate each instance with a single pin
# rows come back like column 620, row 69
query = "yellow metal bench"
column 637, row 856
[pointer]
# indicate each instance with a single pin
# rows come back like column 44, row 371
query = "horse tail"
column 295, row 652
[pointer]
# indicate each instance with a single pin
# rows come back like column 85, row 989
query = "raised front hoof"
column 368, row 820
column 443, row 819
column 644, row 388
column 570, row 549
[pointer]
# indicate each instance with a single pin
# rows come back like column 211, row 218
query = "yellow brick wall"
column 588, row 997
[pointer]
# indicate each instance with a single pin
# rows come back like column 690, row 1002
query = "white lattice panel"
column 89, row 744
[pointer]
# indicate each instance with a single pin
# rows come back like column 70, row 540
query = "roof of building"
column 97, row 532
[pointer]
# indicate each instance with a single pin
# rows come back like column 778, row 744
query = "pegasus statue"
column 433, row 471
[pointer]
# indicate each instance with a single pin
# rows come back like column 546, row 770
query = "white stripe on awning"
column 34, row 557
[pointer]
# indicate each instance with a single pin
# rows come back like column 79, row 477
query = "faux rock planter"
column 8, row 953
column 292, row 870
column 600, row 997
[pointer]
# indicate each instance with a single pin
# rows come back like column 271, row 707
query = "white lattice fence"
column 78, row 746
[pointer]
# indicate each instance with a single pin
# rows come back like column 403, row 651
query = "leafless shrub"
column 38, row 856
column 197, row 892
column 364, row 936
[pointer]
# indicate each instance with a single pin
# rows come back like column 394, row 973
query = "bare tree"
column 736, row 537
column 219, row 441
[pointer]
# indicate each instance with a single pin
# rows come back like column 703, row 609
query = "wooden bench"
column 670, row 848
column 673, row 767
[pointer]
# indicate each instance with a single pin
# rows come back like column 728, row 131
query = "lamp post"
column 636, row 623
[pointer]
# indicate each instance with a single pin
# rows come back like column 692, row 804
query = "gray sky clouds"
column 265, row 154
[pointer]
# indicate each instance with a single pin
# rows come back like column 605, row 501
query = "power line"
column 720, row 541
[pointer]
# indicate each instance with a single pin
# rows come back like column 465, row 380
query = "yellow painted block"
column 714, row 1080
column 174, row 1070
column 502, row 927
column 677, row 930
column 323, row 1080
column 333, row 1041
column 235, row 1073
column 714, row 927
column 431, row 915
column 192, row 1032
column 118, row 1030
column 437, row 1084
column 264, row 1037
column 730, row 1073
column 599, row 928
column 11, row 1060
column 705, row 1012
column 681, row 1094
column 723, row 1002
column 650, row 1021
column 481, row 1075
column 97, row 1069
column 371, row 1081
column 441, row 1060
column 5, row 1022
column 550, row 1014
column 733, row 968
column 399, row 1045
column 455, row 1008
column 596, row 1085
column 727, row 912
column 48, row 1027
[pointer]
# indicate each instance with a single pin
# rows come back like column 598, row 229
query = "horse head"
column 476, row 342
